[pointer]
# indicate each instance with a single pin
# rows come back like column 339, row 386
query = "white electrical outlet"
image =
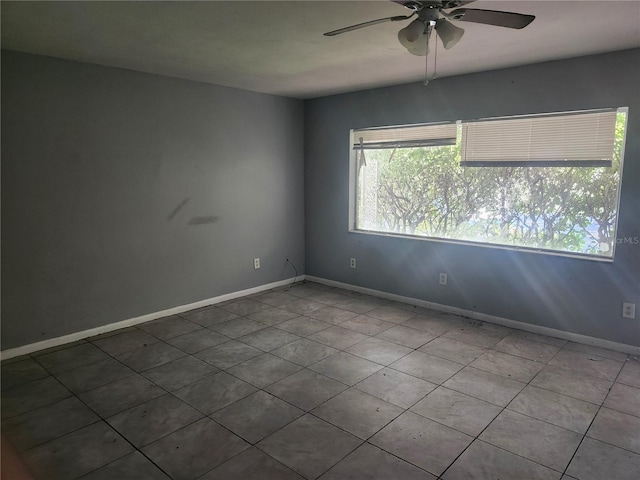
column 443, row 279
column 352, row 263
column 628, row 310
column 256, row 263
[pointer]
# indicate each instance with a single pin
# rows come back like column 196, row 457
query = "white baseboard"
column 73, row 337
column 528, row 327
column 552, row 332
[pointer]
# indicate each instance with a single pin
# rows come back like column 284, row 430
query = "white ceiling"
column 278, row 47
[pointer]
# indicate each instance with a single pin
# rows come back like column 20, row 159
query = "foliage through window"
column 424, row 191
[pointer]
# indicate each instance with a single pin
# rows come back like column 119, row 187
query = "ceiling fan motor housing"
column 432, row 4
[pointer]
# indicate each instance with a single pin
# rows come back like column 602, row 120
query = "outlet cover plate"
column 628, row 310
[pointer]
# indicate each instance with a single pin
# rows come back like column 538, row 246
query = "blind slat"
column 413, row 136
column 581, row 138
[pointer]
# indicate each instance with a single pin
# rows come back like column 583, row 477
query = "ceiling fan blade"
column 357, row 26
column 448, row 33
column 492, row 17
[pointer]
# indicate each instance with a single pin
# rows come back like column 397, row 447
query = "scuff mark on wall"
column 176, row 210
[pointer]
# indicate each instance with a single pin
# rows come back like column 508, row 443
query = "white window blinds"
column 405, row 137
column 568, row 139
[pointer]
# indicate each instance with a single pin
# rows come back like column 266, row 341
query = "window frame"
column 353, row 200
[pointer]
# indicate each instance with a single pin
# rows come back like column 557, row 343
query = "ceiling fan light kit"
column 432, row 15
column 448, row 33
column 415, row 37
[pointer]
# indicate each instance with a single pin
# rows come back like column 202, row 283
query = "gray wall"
column 125, row 194
column 573, row 295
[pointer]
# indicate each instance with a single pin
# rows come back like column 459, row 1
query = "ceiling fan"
column 432, row 15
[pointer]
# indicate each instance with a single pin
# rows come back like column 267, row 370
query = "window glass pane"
column 425, row 192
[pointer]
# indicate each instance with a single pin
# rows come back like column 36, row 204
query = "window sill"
column 496, row 246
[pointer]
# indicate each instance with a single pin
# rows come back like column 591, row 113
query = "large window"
column 546, row 183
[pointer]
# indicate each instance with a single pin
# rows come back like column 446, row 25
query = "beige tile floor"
column 316, row 382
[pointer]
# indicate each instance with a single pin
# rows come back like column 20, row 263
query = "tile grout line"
column 593, row 420
column 477, row 438
column 104, row 420
column 486, row 349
